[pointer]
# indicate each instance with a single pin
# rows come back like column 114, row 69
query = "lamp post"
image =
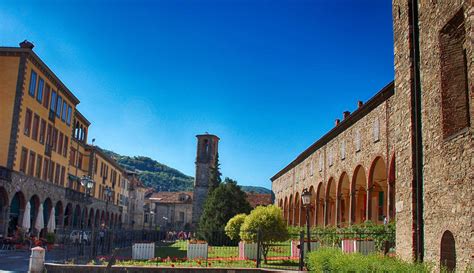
column 87, row 183
column 306, row 201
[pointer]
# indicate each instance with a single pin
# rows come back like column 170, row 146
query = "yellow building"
column 44, row 155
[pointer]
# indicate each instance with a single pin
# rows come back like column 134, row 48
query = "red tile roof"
column 172, row 197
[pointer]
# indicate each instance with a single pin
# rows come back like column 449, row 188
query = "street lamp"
column 87, row 183
column 306, row 201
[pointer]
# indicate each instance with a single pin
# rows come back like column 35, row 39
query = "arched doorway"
column 3, row 211
column 285, row 210
column 77, row 217
column 312, row 207
column 391, row 189
column 290, row 210
column 448, row 251
column 59, row 214
column 359, row 194
column 330, row 200
column 343, row 199
column 297, row 209
column 320, row 205
column 34, row 203
column 378, row 191
column 97, row 218
column 90, row 221
column 17, row 207
column 47, row 207
column 68, row 216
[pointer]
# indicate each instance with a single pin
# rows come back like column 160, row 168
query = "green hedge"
column 334, row 260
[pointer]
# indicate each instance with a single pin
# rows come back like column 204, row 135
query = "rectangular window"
column 58, row 106
column 66, row 143
column 31, row 163
column 42, row 131
column 39, row 94
column 47, row 91
column 55, row 138
column 69, row 113
column 95, row 165
column 58, row 174
column 23, row 159
column 49, row 139
column 34, row 131
column 28, row 116
column 60, row 143
column 72, row 157
column 33, row 83
column 39, row 162
column 63, row 174
column 79, row 161
column 54, row 99
column 64, row 111
column 51, row 171
column 45, row 169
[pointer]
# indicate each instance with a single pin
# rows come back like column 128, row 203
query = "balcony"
column 5, row 174
column 77, row 196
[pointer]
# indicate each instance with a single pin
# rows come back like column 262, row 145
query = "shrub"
column 232, row 229
column 50, row 237
column 334, row 260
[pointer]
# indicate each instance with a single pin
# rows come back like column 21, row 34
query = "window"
column 42, row 131
column 39, row 162
column 320, row 161
column 343, row 150
column 60, row 143
column 47, row 91
column 31, row 163
column 454, row 79
column 51, row 171
column 58, row 106
column 28, row 115
column 55, row 138
column 34, row 132
column 49, row 139
column 357, row 140
column 45, row 169
column 54, row 99
column 330, row 158
column 63, row 175
column 95, row 165
column 33, row 83
column 69, row 112
column 64, row 111
column 39, row 95
column 376, row 130
column 57, row 175
column 72, row 157
column 23, row 159
column 79, row 161
column 66, row 142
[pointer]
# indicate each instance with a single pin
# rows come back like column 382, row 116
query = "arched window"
column 448, row 251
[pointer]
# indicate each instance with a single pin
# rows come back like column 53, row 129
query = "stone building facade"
column 173, row 210
column 206, row 157
column 407, row 153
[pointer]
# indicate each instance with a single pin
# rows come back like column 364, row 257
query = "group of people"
column 182, row 235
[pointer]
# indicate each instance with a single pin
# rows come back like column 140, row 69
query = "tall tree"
column 223, row 203
column 215, row 175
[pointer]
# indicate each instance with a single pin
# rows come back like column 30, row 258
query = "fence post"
column 259, row 245
column 301, row 250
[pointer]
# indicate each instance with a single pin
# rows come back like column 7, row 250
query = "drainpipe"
column 417, row 146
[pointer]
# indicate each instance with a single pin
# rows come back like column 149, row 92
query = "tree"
column 268, row 221
column 222, row 203
column 232, row 229
column 215, row 175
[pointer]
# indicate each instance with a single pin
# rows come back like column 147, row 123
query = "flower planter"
column 143, row 251
column 248, row 250
column 295, row 251
column 355, row 245
column 199, row 250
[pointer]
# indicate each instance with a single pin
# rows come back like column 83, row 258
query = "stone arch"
column 76, row 220
column 3, row 210
column 102, row 218
column 68, row 216
column 320, row 204
column 297, row 209
column 280, row 203
column 359, row 195
column 97, row 218
column 391, row 189
column 290, row 210
column 17, row 207
column 34, row 209
column 377, row 190
column 59, row 214
column 312, row 207
column 84, row 217
column 330, row 201
column 285, row 209
column 91, row 218
column 448, row 251
column 343, row 200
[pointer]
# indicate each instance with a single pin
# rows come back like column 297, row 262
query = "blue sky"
column 267, row 77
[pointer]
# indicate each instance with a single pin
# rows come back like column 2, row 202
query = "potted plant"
column 50, row 239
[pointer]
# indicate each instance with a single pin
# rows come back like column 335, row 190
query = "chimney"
column 27, row 44
column 337, row 122
column 346, row 114
column 360, row 103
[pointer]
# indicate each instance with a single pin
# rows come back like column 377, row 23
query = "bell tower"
column 207, row 148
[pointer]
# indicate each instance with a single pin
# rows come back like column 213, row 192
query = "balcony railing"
column 77, row 196
column 5, row 174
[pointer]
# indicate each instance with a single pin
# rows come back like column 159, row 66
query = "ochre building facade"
column 408, row 153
